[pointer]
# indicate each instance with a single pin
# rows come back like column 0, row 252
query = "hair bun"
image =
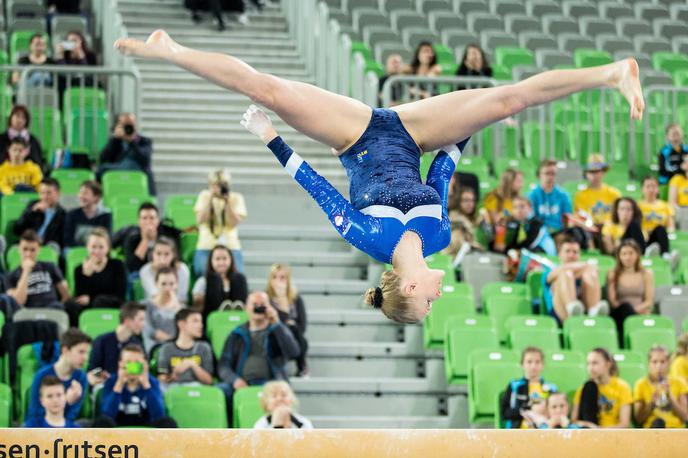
column 377, row 298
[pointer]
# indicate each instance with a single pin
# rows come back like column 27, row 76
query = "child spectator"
column 45, row 215
column 222, row 284
column 624, row 224
column 278, row 402
column 53, row 400
column 679, row 363
column 523, row 230
column 36, row 284
column 161, row 310
column 165, row 255
column 605, row 400
column 672, row 154
column 139, row 241
column 660, row 400
column 466, row 220
column 473, row 63
column 18, row 125
column 187, row 359
column 550, row 202
column 107, row 347
column 19, row 173
column 424, row 63
column 499, row 201
column 678, row 186
column 557, row 413
column 596, row 200
column 90, row 214
column 285, row 298
column 658, row 217
column 529, row 393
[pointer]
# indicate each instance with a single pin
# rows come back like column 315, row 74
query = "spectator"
column 557, row 414
column 285, row 298
column 127, row 150
column 474, row 64
column 660, row 400
column 424, row 63
column 45, row 216
column 36, row 284
column 630, row 287
column 574, row 286
column 658, row 217
column 64, row 6
column 165, row 255
column 53, row 400
column 218, row 213
column 498, row 202
column 466, row 221
column 215, row 6
column 394, row 66
column 672, row 154
column 161, row 309
column 187, row 359
column 679, row 363
column 221, row 285
column 37, row 56
column 99, row 282
column 278, row 402
column 132, row 397
column 81, row 221
column 596, row 200
column 623, row 224
column 107, row 347
column 19, row 173
column 18, row 125
column 526, row 231
column 605, row 400
column 139, row 241
column 550, row 202
column 257, row 351
column 74, row 51
column 74, row 348
column 678, row 186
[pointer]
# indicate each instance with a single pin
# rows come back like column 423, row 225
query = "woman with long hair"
column 222, row 285
column 165, row 255
column 625, row 224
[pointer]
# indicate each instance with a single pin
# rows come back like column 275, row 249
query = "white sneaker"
column 599, row 309
column 574, row 308
column 674, row 258
column 653, row 250
column 243, row 19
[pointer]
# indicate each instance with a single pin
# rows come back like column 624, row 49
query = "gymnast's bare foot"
column 159, row 45
column 626, row 78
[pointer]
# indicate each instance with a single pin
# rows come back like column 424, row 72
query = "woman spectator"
column 630, row 287
column 625, row 222
column 99, row 282
column 424, row 63
column 165, row 255
column 678, row 186
column 222, row 285
column 498, row 201
column 74, row 51
column 475, row 64
column 161, row 309
column 605, row 400
column 37, row 56
column 679, row 363
column 285, row 298
column 466, row 221
column 278, row 402
column 218, row 213
column 18, row 125
column 658, row 217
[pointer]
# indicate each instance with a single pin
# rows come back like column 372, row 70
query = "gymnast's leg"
column 332, row 119
column 449, row 118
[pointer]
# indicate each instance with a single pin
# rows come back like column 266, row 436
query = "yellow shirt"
column 679, row 368
column 644, row 390
column 680, row 182
column 27, row 173
column 615, row 231
column 613, row 396
column 221, row 234
column 596, row 202
column 536, row 391
column 491, row 204
column 655, row 214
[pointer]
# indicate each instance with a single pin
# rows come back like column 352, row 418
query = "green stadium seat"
column 19, row 43
column 87, row 131
column 74, row 257
column 198, row 406
column 125, row 183
column 46, row 125
column 70, row 179
column 486, row 380
column 533, row 133
column 531, row 322
column 11, row 208
column 442, row 262
column 661, row 270
column 510, row 57
column 95, row 322
column 604, row 264
column 5, row 406
column 129, row 200
column 591, row 58
column 425, row 163
column 448, row 305
column 582, row 140
column 5, row 104
column 566, row 115
column 502, row 288
column 372, row 65
column 180, row 210
column 188, row 242
column 534, row 337
column 565, row 369
column 519, row 163
column 632, row 365
column 684, row 326
column 583, row 333
column 500, row 308
column 86, row 97
column 46, row 254
column 501, row 73
column 220, row 324
column 641, row 340
column 669, row 62
column 360, row 47
column 246, row 406
column 475, row 165
column 124, row 215
column 138, row 293
column 463, row 335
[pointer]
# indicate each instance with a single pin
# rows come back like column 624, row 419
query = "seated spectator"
column 572, row 287
column 474, row 64
column 221, row 285
column 81, row 221
column 36, row 284
column 595, row 201
column 285, row 298
column 526, row 231
column 528, row 393
column 45, row 216
column 19, row 173
column 672, row 154
column 187, row 359
column 18, row 126
column 550, row 202
column 106, row 347
column 37, row 55
column 630, row 287
column 660, row 400
column 74, row 348
column 74, row 51
column 138, row 241
column 558, row 413
column 605, row 400
column 658, row 218
column 127, row 150
column 278, row 402
column 53, row 400
column 257, row 351
column 165, row 255
column 100, row 282
column 64, row 6
column 161, row 309
column 498, row 202
column 132, row 397
column 218, row 213
column 678, row 186
column 394, row 66
column 424, row 63
column 679, row 363
column 466, row 221
column 623, row 224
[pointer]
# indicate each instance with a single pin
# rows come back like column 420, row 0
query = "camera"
column 134, row 368
column 129, row 129
column 259, row 309
column 224, row 188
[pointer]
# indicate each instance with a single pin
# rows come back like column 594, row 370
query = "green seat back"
column 46, row 254
column 46, row 125
column 641, row 340
column 447, row 306
column 531, row 322
column 5, row 406
column 198, row 406
column 636, row 322
column 632, row 365
column 661, row 270
column 604, row 264
column 566, row 370
column 513, row 56
column 125, row 183
column 463, row 335
column 500, row 308
column 86, row 98
column 74, row 257
column 487, row 380
column 180, row 210
column 70, row 179
column 669, row 62
column 11, row 208
column 124, row 215
column 95, row 322
column 246, row 406
column 537, row 142
column 220, row 324
column 590, row 58
column 545, row 339
column 87, row 132
column 138, row 293
column 474, row 164
column 188, row 242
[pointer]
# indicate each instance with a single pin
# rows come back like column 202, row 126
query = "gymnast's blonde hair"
column 394, row 304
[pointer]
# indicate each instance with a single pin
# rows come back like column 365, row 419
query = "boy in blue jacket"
column 53, row 399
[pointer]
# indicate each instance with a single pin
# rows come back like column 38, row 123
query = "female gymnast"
column 392, row 216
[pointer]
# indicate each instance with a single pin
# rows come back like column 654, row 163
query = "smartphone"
column 98, row 371
column 68, row 45
column 134, row 368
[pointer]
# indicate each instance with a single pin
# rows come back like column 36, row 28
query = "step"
column 332, row 301
column 371, row 367
column 363, row 349
column 314, row 272
column 342, row 385
column 181, row 33
column 135, row 21
column 321, row 286
column 241, row 143
column 375, row 404
column 379, row 422
column 353, row 333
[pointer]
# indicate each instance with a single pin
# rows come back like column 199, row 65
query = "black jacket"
column 141, row 152
column 215, row 294
column 131, row 238
column 30, row 219
column 516, row 398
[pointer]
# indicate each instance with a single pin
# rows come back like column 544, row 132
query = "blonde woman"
column 285, row 298
column 498, row 202
column 278, row 402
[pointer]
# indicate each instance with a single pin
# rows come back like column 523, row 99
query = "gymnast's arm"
column 443, row 168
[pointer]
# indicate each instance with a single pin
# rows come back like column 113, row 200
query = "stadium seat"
column 604, row 264
column 583, row 333
column 125, row 183
column 501, row 307
column 669, row 62
column 180, row 210
column 123, row 216
column 95, row 322
column 534, row 337
column 633, row 325
column 5, row 406
column 442, row 262
column 46, row 125
column 463, row 335
column 475, row 165
column 632, row 365
column 544, row 142
column 246, row 406
column 61, row 24
column 70, row 179
column 60, row 317
column 86, row 98
column 488, row 377
column 531, row 322
column 46, row 254
column 11, row 208
column 673, row 305
column 565, row 369
column 19, row 40
column 188, row 242
column 661, row 270
column 74, row 257
column 197, row 406
column 87, row 131
column 479, row 269
column 220, row 324
column 459, row 303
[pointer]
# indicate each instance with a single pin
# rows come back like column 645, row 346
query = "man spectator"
column 671, row 155
column 18, row 173
column 45, row 215
column 127, row 150
column 106, row 347
column 80, row 221
column 394, row 66
column 550, row 202
column 186, row 359
column 53, row 399
column 36, row 284
column 139, row 241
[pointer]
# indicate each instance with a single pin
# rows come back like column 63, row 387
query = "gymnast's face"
column 425, row 291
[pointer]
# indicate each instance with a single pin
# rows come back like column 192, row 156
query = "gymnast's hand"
column 258, row 123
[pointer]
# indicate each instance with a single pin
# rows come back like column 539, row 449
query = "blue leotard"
column 387, row 195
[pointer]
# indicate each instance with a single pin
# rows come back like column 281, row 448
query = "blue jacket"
column 137, row 408
column 670, row 162
column 36, row 410
column 41, row 423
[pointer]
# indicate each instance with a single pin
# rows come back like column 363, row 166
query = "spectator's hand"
column 88, row 267
column 74, row 392
column 94, row 379
column 271, row 314
column 118, row 132
column 122, row 373
column 182, row 367
column 281, row 416
column 83, row 300
column 28, row 264
column 39, row 207
column 258, row 123
column 143, row 378
column 239, row 384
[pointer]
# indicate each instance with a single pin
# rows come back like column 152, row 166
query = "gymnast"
column 393, row 216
